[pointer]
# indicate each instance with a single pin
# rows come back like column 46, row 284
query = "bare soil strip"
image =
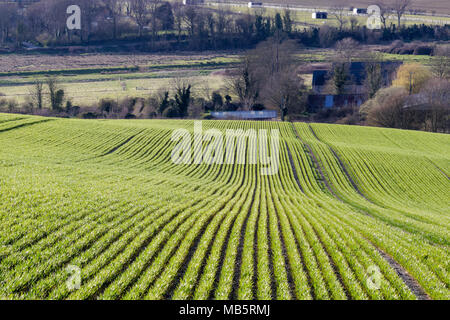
column 25, row 125
column 11, row 120
column 341, row 164
column 410, row 282
column 121, row 144
column 291, row 160
column 316, row 164
column 318, row 167
column 437, row 167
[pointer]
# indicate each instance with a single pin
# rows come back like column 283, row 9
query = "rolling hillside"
column 353, row 213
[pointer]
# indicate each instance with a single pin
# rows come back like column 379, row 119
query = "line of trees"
column 154, row 21
column 167, row 25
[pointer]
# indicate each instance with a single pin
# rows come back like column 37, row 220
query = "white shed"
column 359, row 11
column 255, row 4
column 320, row 15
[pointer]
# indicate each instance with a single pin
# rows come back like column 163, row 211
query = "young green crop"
column 104, row 195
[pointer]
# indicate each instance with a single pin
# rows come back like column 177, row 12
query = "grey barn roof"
column 251, row 115
column 357, row 72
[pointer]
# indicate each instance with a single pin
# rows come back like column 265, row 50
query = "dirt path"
column 410, row 282
column 291, row 160
column 341, row 164
column 316, row 164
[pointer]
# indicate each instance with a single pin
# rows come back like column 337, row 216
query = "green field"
column 98, row 76
column 91, row 90
column 434, row 8
column 349, row 207
column 85, row 87
column 302, row 18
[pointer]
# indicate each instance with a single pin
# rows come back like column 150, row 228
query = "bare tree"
column 384, row 12
column 55, row 22
column 340, row 12
column 37, row 94
column 436, row 93
column 441, row 62
column 114, row 9
column 347, row 50
column 55, row 93
column 190, row 17
column 268, row 74
column 89, row 9
column 153, row 7
column 223, row 21
column 246, row 84
column 178, row 15
column 276, row 66
column 353, row 23
column 374, row 75
column 285, row 91
column 8, row 17
column 139, row 11
column 400, row 7
column 387, row 109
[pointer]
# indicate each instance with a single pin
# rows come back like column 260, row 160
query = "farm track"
column 21, row 125
column 342, row 167
column 141, row 227
column 412, row 283
column 316, row 164
column 437, row 167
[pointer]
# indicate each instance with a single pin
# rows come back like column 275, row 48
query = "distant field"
column 304, row 18
column 439, row 6
column 352, row 213
column 42, row 62
column 87, row 92
column 93, row 77
column 88, row 78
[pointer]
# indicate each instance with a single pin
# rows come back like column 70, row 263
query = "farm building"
column 320, row 15
column 193, row 2
column 255, row 4
column 319, row 80
column 359, row 11
column 326, row 101
column 357, row 76
column 246, row 115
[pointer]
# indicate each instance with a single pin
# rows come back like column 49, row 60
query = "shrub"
column 412, row 77
column 89, row 115
column 171, row 112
